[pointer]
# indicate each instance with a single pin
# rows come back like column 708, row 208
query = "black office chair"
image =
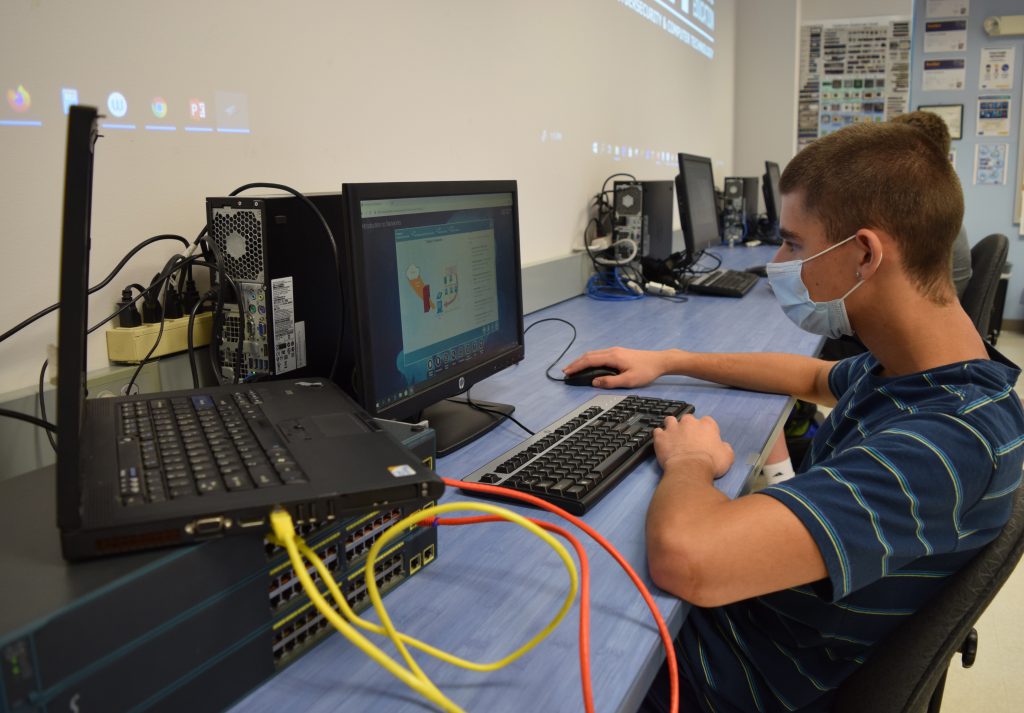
column 907, row 672
column 987, row 260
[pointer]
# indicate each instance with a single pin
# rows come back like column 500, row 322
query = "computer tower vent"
column 628, row 199
column 238, row 235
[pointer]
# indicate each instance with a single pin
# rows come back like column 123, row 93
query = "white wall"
column 337, row 91
column 844, row 9
column 767, row 41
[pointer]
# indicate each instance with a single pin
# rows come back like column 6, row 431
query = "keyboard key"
column 237, row 481
column 264, row 478
column 293, row 476
column 211, row 485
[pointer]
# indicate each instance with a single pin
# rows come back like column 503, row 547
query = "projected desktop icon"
column 159, row 107
column 117, row 104
column 68, row 98
column 232, row 112
column 197, row 109
column 19, row 99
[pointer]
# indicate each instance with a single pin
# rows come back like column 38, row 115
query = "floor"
column 994, row 684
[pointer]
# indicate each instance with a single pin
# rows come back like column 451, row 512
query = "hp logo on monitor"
column 462, row 383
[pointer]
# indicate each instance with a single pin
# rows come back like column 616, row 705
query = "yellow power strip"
column 130, row 345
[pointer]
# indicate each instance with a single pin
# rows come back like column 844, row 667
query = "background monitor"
column 695, row 192
column 770, row 187
column 436, row 299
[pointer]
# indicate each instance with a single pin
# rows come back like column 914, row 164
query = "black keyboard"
column 575, row 461
column 197, row 445
column 725, row 283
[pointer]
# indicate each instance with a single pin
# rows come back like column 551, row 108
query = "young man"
column 912, row 472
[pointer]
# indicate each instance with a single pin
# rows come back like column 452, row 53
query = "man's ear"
column 872, row 249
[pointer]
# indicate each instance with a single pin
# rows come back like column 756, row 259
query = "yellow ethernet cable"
column 286, row 535
column 284, row 530
column 449, row 658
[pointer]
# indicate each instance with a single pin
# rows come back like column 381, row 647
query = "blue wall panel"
column 989, row 209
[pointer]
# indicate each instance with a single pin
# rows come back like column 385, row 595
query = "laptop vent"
column 238, row 235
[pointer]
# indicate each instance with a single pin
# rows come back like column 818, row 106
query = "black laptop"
column 140, row 472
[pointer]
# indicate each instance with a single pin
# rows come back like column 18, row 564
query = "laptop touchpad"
column 328, row 425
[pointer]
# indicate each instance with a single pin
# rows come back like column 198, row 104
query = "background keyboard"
column 575, row 461
column 725, row 283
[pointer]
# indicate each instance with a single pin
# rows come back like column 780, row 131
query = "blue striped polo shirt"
column 904, row 481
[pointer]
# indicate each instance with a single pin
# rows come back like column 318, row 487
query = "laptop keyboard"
column 190, row 446
column 579, row 458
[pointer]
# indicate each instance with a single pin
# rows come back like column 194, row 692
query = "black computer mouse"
column 585, row 377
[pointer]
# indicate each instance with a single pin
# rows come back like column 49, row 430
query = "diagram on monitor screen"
column 444, row 297
column 450, row 282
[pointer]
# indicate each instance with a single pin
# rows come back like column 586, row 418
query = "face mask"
column 829, row 319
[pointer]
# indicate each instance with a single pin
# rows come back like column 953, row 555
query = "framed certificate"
column 952, row 114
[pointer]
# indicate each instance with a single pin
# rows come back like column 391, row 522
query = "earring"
column 857, row 274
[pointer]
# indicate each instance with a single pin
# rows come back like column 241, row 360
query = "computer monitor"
column 770, row 188
column 695, row 192
column 435, row 299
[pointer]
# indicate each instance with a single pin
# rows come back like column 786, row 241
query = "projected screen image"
column 445, row 298
column 692, row 22
column 145, row 109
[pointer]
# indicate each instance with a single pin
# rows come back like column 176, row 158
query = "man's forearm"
column 800, row 376
column 681, row 514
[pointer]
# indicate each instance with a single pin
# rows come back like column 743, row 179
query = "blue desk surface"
column 494, row 586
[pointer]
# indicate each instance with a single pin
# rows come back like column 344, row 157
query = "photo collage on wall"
column 851, row 72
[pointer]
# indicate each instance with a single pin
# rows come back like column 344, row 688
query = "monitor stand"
column 457, row 424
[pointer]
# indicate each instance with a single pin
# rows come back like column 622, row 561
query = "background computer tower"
column 734, row 221
column 655, row 217
column 751, row 198
column 627, row 215
column 287, row 310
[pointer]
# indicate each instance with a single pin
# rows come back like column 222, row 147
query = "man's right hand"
column 636, row 367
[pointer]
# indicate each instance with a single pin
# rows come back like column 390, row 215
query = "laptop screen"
column 74, row 313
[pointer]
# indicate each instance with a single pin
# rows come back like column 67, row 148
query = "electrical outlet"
column 130, row 345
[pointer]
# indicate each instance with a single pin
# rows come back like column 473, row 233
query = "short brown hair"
column 888, row 177
column 931, row 124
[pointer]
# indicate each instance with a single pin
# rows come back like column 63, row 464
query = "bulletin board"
column 852, row 71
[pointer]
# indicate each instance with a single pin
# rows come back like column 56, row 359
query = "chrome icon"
column 159, row 107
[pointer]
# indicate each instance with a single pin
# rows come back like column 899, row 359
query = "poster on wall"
column 994, row 116
column 943, row 75
column 952, row 114
column 851, row 72
column 990, row 164
column 945, row 36
column 947, row 8
column 996, row 68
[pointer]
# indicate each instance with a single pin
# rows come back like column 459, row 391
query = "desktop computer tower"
column 734, row 222
column 627, row 214
column 287, row 311
column 741, row 198
column 190, row 628
column 655, row 219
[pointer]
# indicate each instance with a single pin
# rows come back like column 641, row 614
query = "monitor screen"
column 772, row 202
column 436, row 289
column 696, row 196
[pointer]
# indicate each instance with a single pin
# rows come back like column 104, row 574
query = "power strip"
column 130, row 345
